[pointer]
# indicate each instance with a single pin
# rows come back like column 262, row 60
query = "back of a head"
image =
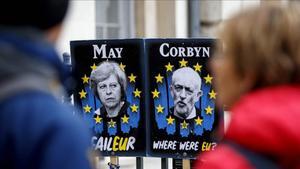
column 264, row 43
column 40, row 14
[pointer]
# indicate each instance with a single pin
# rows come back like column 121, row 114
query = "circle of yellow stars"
column 136, row 93
column 159, row 79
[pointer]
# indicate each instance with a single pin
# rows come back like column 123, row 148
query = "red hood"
column 268, row 121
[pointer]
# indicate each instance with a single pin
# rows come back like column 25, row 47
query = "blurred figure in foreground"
column 257, row 71
column 36, row 130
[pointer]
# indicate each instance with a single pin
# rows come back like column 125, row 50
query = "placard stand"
column 186, row 164
column 164, row 163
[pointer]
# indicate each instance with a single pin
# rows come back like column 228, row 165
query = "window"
column 114, row 19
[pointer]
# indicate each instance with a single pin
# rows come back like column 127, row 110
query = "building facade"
column 119, row 19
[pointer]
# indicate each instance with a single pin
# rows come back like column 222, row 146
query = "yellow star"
column 183, row 63
column 212, row 94
column 208, row 79
column 82, row 94
column 198, row 121
column 169, row 67
column 125, row 119
column 184, row 125
column 87, row 109
column 134, row 108
column 137, row 93
column 209, row 110
column 160, row 109
column 170, row 120
column 197, row 67
column 159, row 78
column 111, row 123
column 155, row 94
column 122, row 67
column 98, row 119
column 131, row 78
column 93, row 67
column 85, row 79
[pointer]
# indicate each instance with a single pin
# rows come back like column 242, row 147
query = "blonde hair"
column 264, row 43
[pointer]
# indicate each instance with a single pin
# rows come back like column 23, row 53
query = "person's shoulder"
column 230, row 158
column 32, row 102
column 46, row 122
column 39, row 109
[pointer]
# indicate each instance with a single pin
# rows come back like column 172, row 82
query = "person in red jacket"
column 257, row 75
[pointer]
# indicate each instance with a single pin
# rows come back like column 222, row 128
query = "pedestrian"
column 257, row 75
column 36, row 130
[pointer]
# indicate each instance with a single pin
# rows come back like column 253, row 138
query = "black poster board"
column 182, row 117
column 114, row 106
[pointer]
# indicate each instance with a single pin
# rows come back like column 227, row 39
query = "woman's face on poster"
column 109, row 91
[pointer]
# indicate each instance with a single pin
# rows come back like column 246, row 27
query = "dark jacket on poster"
column 171, row 112
column 36, row 130
column 265, row 122
column 117, row 119
column 179, row 121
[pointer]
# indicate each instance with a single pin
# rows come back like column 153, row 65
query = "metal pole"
column 114, row 162
column 139, row 163
column 164, row 163
column 186, row 164
column 67, row 62
column 194, row 18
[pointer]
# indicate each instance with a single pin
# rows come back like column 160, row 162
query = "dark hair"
column 41, row 14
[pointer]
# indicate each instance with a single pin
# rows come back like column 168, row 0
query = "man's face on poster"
column 185, row 94
column 109, row 91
